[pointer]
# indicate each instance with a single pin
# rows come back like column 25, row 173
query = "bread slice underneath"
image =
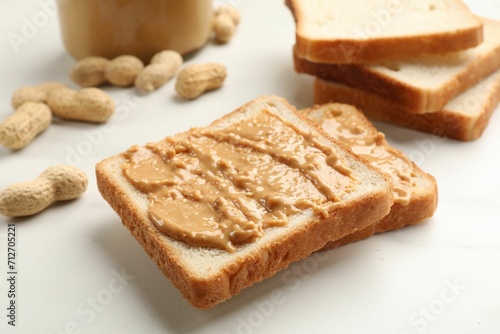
column 415, row 192
column 421, row 84
column 207, row 276
column 463, row 118
column 360, row 31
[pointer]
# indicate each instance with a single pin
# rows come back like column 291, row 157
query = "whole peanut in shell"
column 197, row 79
column 37, row 93
column 56, row 183
column 27, row 122
column 89, row 72
column 162, row 68
column 88, row 105
column 123, row 70
column 226, row 19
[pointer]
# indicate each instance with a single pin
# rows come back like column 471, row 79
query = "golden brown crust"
column 445, row 123
column 242, row 270
column 477, row 128
column 362, row 78
column 387, row 49
column 357, row 51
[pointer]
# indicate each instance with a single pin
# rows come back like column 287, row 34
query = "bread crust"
column 417, row 211
column 359, row 51
column 445, row 123
column 387, row 49
column 247, row 268
column 364, row 79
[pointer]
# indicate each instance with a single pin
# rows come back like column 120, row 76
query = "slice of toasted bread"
column 361, row 31
column 415, row 192
column 463, row 118
column 207, row 276
column 422, row 84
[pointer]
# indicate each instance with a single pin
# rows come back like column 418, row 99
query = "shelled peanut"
column 56, row 183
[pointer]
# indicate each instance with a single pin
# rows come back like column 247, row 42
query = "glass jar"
column 109, row 28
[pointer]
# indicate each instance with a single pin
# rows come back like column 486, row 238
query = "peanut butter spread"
column 221, row 188
column 371, row 145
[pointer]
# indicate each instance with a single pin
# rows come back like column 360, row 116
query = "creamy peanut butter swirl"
column 371, row 145
column 221, row 188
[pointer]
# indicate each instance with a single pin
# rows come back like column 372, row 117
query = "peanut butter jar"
column 109, row 28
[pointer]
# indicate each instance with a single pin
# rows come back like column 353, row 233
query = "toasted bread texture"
column 207, row 276
column 464, row 118
column 421, row 84
column 415, row 192
column 361, row 31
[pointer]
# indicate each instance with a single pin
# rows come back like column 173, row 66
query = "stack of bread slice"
column 428, row 65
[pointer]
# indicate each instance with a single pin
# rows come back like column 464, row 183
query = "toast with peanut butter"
column 415, row 192
column 221, row 207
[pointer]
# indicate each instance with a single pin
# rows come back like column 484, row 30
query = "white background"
column 439, row 277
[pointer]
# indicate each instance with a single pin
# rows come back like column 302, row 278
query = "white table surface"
column 439, row 277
